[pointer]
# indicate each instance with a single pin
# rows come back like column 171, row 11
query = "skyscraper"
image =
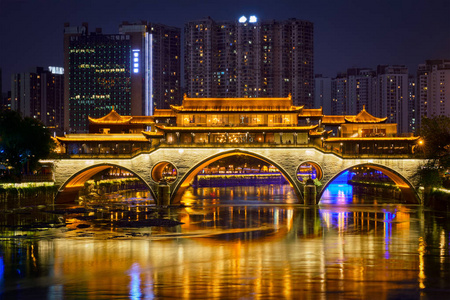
column 412, row 105
column 339, row 94
column 250, row 58
column 433, row 88
column 392, row 95
column 39, row 94
column 322, row 93
column 360, row 90
column 132, row 71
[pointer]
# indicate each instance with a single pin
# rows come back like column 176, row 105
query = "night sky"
column 346, row 33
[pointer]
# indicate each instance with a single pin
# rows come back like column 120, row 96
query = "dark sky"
column 347, row 33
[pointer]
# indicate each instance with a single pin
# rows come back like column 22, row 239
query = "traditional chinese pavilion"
column 267, row 122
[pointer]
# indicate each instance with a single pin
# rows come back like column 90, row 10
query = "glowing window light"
column 242, row 19
column 253, row 19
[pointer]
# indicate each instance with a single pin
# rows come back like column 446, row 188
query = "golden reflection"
column 421, row 251
column 442, row 246
column 262, row 252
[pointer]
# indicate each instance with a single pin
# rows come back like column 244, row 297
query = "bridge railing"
column 232, row 145
column 103, row 155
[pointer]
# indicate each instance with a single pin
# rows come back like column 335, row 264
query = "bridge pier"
column 310, row 193
column 163, row 194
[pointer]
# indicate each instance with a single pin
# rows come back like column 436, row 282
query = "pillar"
column 310, row 193
column 163, row 193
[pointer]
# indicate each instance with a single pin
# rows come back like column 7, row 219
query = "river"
column 233, row 243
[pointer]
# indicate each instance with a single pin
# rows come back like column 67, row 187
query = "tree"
column 23, row 141
column 436, row 134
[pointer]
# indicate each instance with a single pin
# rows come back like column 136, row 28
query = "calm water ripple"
column 234, row 243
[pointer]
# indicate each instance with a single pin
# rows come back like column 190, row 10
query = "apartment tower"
column 39, row 94
column 433, row 88
column 250, row 58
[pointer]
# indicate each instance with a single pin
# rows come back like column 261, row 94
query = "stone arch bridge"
column 71, row 174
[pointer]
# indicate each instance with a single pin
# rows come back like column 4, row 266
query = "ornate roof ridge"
column 112, row 116
column 364, row 117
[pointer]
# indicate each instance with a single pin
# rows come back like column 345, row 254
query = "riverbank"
column 19, row 195
column 439, row 199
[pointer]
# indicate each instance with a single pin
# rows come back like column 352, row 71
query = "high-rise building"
column 412, row 105
column 39, row 94
column 391, row 95
column 433, row 88
column 132, row 71
column 165, row 66
column 6, row 101
column 339, row 94
column 359, row 90
column 322, row 93
column 250, row 58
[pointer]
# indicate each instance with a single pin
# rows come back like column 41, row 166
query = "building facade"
column 323, row 93
column 339, row 94
column 392, row 95
column 39, row 94
column 413, row 108
column 250, row 58
column 132, row 71
column 360, row 90
column 433, row 88
column 388, row 91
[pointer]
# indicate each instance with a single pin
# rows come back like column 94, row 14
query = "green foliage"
column 436, row 134
column 28, row 190
column 428, row 177
column 23, row 141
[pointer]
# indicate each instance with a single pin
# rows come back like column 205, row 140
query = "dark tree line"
column 435, row 132
column 23, row 142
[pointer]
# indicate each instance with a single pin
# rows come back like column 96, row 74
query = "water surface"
column 234, row 243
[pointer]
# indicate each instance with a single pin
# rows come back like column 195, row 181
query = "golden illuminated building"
column 240, row 122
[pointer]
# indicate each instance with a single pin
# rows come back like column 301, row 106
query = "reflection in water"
column 135, row 282
column 340, row 192
column 263, row 194
column 248, row 250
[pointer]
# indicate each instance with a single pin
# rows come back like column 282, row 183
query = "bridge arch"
column 157, row 170
column 76, row 182
column 404, row 184
column 316, row 165
column 182, row 184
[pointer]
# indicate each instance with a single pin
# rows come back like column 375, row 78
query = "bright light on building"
column 56, row 70
column 135, row 61
column 253, row 19
column 242, row 19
